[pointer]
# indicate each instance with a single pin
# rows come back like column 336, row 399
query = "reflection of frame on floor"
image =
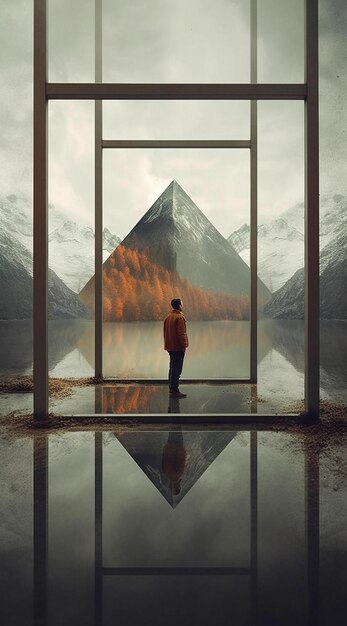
column 40, row 536
column 98, row 91
column 101, row 571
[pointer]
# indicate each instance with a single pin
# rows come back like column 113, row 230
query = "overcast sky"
column 162, row 41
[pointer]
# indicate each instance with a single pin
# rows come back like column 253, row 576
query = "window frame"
column 98, row 91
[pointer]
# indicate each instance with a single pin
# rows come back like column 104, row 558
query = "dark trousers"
column 176, row 364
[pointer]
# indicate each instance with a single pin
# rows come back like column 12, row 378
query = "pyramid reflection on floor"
column 175, row 461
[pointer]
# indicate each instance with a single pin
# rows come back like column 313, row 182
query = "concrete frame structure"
column 98, row 91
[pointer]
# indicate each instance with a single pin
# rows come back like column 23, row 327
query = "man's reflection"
column 174, row 405
column 174, row 460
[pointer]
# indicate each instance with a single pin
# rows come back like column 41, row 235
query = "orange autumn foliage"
column 135, row 289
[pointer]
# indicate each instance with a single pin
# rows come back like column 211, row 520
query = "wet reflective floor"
column 173, row 527
column 87, row 399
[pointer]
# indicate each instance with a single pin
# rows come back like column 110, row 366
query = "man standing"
column 175, row 342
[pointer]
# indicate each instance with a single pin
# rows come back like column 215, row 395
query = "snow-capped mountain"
column 280, row 250
column 71, row 246
column 16, row 221
column 15, row 278
column 333, row 277
column 179, row 237
column 288, row 301
column 281, row 241
column 16, row 285
column 71, row 249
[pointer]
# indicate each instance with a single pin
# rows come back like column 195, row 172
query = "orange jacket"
column 175, row 332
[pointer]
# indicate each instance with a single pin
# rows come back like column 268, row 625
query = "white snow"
column 71, row 245
column 281, row 241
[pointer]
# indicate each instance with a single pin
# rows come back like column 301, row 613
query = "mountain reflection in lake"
column 135, row 350
column 217, row 350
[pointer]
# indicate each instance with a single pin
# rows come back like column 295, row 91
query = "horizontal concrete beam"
column 179, row 91
column 173, row 143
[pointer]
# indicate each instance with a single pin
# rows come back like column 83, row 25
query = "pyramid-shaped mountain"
column 179, row 237
column 175, row 461
column 174, row 251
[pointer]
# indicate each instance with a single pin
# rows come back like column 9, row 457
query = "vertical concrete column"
column 40, row 295
column 254, row 200
column 312, row 213
column 98, row 223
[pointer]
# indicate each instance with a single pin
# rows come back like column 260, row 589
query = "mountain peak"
column 173, row 184
column 177, row 235
column 170, row 191
column 174, row 205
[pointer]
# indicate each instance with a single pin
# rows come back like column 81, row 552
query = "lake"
column 216, row 350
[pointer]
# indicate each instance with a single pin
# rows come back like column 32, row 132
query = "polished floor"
column 174, row 526
column 122, row 399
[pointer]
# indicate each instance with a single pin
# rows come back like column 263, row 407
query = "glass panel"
column 71, row 234
column 167, row 42
column 281, row 249
column 160, row 41
column 281, row 40
column 176, row 120
column 70, row 40
column 173, row 211
column 150, row 41
column 16, row 207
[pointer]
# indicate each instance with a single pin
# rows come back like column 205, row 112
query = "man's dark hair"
column 175, row 303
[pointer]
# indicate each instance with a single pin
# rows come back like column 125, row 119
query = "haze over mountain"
column 71, row 254
column 288, row 301
column 179, row 237
column 71, row 249
column 280, row 250
column 281, row 258
column 16, row 285
column 71, row 245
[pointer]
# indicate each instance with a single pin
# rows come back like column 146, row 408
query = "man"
column 175, row 342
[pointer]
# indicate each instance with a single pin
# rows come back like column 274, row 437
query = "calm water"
column 157, row 528
column 217, row 349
